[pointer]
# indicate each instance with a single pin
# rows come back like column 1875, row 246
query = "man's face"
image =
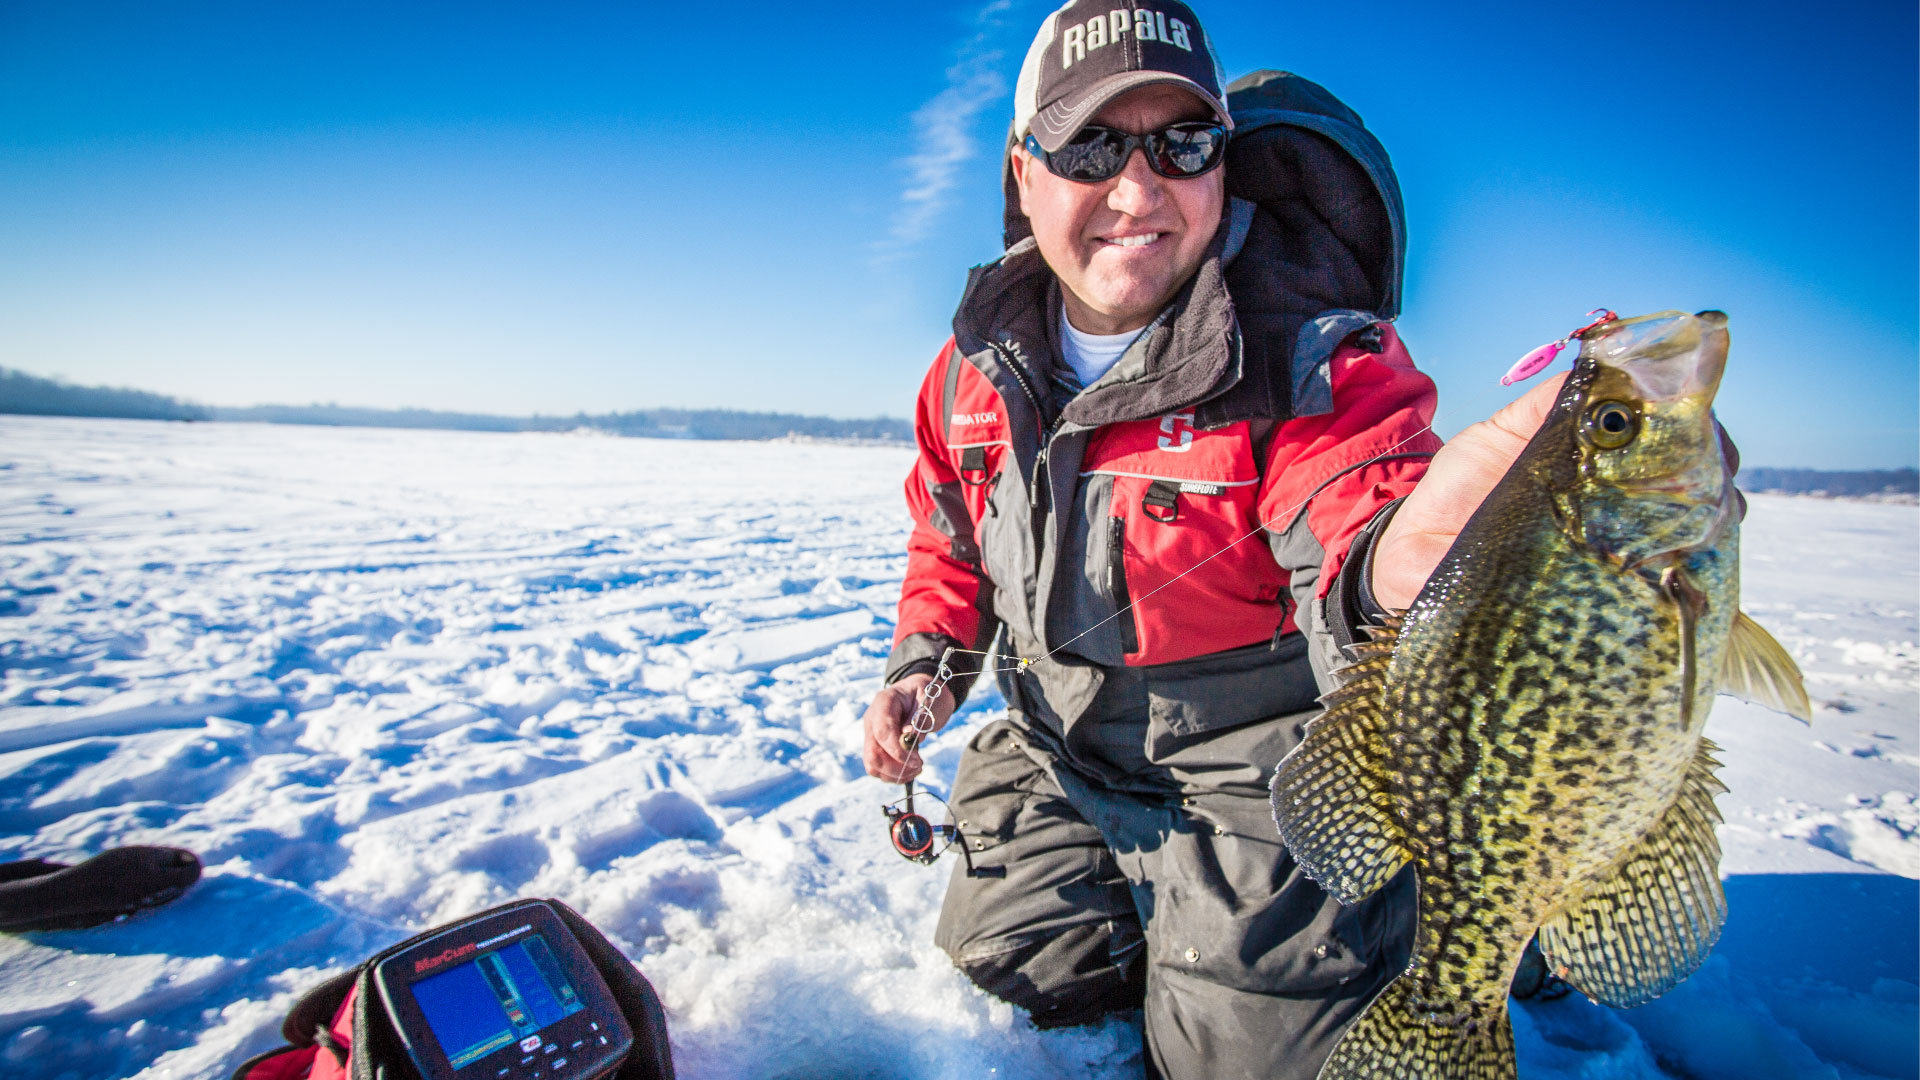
column 1124, row 246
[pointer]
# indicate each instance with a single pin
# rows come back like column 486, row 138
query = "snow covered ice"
column 381, row 679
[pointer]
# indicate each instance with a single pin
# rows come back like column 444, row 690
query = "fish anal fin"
column 1400, row 1036
column 1758, row 669
column 1636, row 935
column 1330, row 796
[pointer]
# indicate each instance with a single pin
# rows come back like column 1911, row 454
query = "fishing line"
column 918, row 730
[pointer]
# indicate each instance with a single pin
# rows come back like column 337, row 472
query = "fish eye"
column 1612, row 425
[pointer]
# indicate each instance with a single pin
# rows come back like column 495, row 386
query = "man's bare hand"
column 888, row 716
column 1457, row 482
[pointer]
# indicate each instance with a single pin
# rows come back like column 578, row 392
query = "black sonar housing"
column 509, row 994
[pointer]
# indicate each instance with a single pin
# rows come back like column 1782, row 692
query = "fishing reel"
column 918, row 839
column 914, row 836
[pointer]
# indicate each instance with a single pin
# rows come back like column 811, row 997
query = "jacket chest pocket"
column 1183, row 562
column 979, row 435
column 980, row 467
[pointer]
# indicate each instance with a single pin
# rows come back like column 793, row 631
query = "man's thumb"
column 1523, row 416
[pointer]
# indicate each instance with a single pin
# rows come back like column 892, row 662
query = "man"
column 1174, row 351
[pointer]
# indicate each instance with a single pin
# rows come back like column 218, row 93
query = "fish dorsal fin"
column 1635, row 935
column 1758, row 669
column 1330, row 794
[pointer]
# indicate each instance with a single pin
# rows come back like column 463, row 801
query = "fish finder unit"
column 509, row 996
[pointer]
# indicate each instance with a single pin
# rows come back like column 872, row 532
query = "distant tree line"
column 33, row 395
column 726, row 424
column 1823, row 482
column 647, row 423
column 331, row 415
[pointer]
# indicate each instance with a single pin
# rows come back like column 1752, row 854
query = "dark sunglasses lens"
column 1188, row 151
column 1094, row 154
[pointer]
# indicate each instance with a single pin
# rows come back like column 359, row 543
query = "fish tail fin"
column 1399, row 1037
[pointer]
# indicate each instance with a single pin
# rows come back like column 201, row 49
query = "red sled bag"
column 521, row 991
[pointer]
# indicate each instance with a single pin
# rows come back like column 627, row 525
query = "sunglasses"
column 1177, row 152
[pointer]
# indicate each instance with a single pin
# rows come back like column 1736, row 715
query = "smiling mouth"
column 1131, row 241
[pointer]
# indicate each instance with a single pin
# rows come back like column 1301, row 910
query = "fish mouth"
column 1667, row 356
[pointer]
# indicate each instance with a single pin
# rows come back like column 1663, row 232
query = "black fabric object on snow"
column 39, row 895
column 26, row 868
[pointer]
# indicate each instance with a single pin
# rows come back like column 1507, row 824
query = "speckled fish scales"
column 1528, row 735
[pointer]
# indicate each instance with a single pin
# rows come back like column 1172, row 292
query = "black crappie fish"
column 1529, row 733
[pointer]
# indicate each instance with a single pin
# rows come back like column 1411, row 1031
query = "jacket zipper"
column 1117, row 584
column 1039, row 491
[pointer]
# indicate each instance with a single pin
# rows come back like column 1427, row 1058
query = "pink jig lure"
column 1536, row 361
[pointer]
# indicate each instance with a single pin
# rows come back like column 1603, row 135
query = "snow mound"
column 1877, row 832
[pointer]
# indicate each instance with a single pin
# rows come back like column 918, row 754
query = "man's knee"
column 1075, row 976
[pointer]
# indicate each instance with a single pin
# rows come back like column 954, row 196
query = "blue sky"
column 574, row 207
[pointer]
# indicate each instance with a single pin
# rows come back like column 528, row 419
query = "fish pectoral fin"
column 1330, row 795
column 1692, row 603
column 1634, row 936
column 1758, row 669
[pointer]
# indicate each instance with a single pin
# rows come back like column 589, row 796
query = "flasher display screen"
column 498, row 999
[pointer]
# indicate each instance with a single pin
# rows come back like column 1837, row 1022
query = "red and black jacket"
column 1271, row 404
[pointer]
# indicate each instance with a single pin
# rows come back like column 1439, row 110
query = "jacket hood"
column 1301, row 155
